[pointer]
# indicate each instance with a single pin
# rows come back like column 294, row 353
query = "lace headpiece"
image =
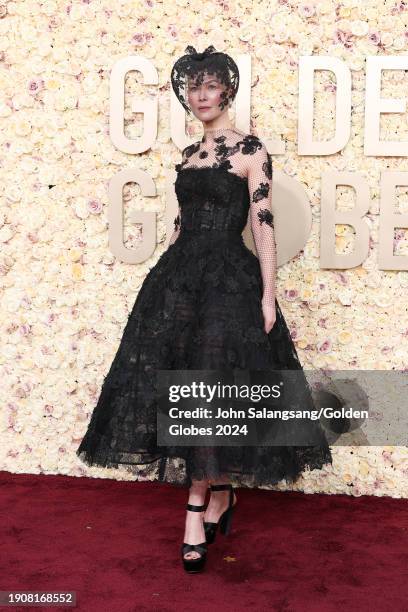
column 193, row 65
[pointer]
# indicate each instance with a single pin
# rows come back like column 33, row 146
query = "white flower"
column 6, row 233
column 345, row 297
column 81, row 208
column 383, row 299
column 387, row 39
column 400, row 43
column 306, row 10
column 359, row 27
column 280, row 35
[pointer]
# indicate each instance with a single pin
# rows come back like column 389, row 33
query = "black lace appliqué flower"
column 186, row 154
column 225, row 165
column 260, row 192
column 267, row 166
column 250, row 144
column 191, row 149
column 265, row 216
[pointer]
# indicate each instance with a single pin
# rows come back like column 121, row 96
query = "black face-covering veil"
column 195, row 65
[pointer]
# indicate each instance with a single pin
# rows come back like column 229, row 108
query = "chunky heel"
column 193, row 566
column 225, row 520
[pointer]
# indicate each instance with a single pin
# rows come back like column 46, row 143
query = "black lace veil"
column 194, row 65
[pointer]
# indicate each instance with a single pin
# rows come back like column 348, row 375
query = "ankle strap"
column 225, row 487
column 196, row 508
column 221, row 487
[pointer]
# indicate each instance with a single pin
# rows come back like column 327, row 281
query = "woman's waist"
column 211, row 232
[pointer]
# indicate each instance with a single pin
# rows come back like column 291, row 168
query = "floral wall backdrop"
column 65, row 298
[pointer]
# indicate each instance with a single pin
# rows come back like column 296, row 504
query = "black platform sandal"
column 226, row 517
column 192, row 566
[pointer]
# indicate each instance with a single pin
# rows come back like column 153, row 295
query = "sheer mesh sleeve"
column 177, row 219
column 260, row 192
column 176, row 231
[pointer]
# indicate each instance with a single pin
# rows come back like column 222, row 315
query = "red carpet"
column 117, row 545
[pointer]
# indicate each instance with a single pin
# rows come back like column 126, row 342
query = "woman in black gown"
column 208, row 304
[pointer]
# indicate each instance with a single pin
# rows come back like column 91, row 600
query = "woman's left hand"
column 269, row 315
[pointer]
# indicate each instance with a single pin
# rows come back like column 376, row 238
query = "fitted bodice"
column 212, row 199
column 220, row 181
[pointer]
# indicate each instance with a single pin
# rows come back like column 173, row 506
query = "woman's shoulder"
column 244, row 136
column 240, row 132
column 191, row 148
column 256, row 154
column 253, row 148
column 250, row 141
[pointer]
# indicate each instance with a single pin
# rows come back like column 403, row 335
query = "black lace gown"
column 200, row 308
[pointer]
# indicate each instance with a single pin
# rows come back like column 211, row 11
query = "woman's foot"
column 194, row 531
column 219, row 502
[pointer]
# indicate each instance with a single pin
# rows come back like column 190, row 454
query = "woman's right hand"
column 269, row 315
